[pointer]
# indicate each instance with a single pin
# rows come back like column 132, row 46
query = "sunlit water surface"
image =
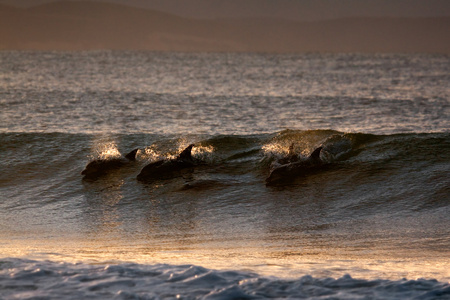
column 379, row 211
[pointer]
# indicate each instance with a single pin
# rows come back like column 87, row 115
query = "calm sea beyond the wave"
column 368, row 217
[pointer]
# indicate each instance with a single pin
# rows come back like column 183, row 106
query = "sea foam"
column 26, row 279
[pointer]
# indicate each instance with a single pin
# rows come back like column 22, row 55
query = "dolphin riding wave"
column 295, row 168
column 100, row 167
column 166, row 169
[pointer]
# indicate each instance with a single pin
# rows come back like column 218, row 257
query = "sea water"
column 373, row 224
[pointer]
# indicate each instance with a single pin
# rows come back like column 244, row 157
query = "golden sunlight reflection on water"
column 249, row 257
column 270, row 235
column 106, row 150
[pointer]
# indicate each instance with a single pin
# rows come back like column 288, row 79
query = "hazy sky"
column 291, row 9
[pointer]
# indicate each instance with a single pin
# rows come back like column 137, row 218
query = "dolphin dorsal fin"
column 316, row 153
column 132, row 155
column 186, row 154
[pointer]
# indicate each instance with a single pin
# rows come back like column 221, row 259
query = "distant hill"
column 298, row 10
column 96, row 25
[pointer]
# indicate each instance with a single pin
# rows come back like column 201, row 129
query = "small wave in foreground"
column 27, row 279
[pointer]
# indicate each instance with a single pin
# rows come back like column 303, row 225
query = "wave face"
column 379, row 196
column 376, row 207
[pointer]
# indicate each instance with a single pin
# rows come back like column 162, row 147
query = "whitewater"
column 372, row 223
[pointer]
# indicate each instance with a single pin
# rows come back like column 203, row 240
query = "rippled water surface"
column 376, row 210
column 99, row 92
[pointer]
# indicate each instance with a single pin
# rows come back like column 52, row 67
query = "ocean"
column 372, row 221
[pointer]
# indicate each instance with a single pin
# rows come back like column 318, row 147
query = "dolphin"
column 166, row 169
column 293, row 169
column 100, row 167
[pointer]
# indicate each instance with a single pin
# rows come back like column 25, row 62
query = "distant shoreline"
column 104, row 26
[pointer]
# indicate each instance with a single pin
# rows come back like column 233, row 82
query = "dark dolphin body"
column 166, row 169
column 287, row 172
column 100, row 167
